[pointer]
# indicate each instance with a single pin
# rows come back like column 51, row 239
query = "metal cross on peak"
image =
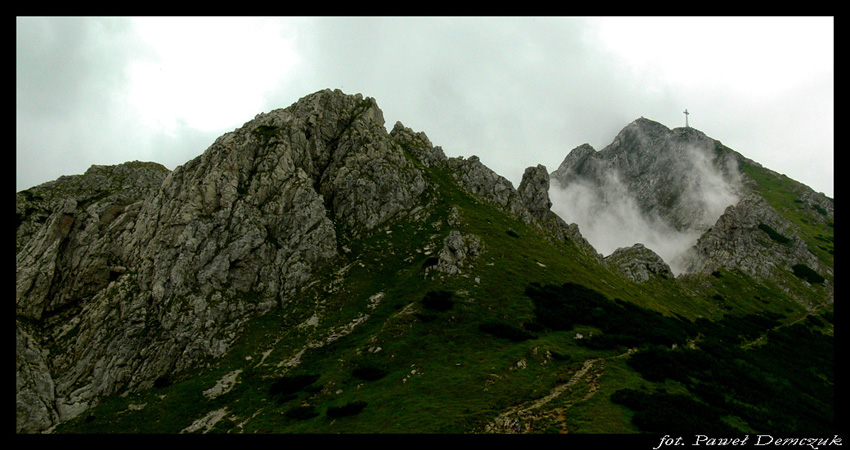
column 686, row 118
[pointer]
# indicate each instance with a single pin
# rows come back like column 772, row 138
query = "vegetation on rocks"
column 312, row 273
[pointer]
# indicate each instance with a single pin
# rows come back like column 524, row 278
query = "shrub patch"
column 162, row 382
column 774, row 234
column 505, row 331
column 349, row 409
column 301, row 413
column 292, row 384
column 805, row 272
column 560, row 308
column 367, row 373
column 438, row 300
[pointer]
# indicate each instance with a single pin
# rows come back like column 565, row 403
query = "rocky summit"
column 313, row 272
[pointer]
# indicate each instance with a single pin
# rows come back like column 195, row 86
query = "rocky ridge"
column 638, row 263
column 131, row 273
column 225, row 236
column 679, row 175
column 694, row 184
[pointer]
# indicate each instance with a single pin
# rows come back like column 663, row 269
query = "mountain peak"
column 312, row 246
column 672, row 181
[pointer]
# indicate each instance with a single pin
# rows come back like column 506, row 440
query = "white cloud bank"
column 610, row 217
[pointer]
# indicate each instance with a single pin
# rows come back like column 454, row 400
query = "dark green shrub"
column 301, row 413
column 292, row 384
column 438, row 300
column 805, row 272
column 367, row 373
column 609, row 341
column 661, row 412
column 505, row 331
column 162, row 382
column 266, row 131
column 780, row 382
column 814, row 320
column 425, row 317
column 349, row 409
column 512, row 233
column 657, row 364
column 225, row 425
column 559, row 308
column 559, row 356
column 430, row 262
column 774, row 234
column 533, row 327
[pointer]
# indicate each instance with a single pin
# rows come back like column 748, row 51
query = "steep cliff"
column 153, row 274
column 311, row 261
column 680, row 176
column 702, row 204
column 129, row 274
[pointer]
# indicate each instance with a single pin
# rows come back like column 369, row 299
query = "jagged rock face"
column 533, row 193
column 418, row 144
column 529, row 203
column 476, row 178
column 690, row 191
column 276, row 190
column 458, row 249
column 71, row 232
column 534, row 190
column 638, row 263
column 158, row 276
column 70, row 238
column 680, row 176
column 751, row 236
column 131, row 273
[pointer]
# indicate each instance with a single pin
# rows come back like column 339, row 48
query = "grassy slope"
column 441, row 373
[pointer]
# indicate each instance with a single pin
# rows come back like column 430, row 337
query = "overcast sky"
column 516, row 92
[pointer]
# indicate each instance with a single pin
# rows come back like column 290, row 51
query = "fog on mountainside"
column 609, row 215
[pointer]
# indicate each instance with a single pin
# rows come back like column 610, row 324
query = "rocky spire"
column 158, row 275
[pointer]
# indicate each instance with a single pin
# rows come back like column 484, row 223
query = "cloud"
column 712, row 188
column 110, row 90
column 609, row 218
column 610, row 214
column 67, row 75
column 207, row 72
column 516, row 91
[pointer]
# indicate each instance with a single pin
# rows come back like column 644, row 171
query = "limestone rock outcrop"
column 529, row 202
column 476, row 178
column 457, row 253
column 133, row 275
column 533, row 194
column 753, row 237
column 418, row 144
column 680, row 175
column 154, row 272
column 638, row 263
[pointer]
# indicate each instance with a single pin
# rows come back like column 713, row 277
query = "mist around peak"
column 610, row 219
column 666, row 208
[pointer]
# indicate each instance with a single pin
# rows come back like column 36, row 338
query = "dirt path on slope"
column 527, row 417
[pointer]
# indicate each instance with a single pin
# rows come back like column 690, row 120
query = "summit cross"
column 686, row 118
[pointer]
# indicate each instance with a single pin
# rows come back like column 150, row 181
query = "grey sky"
column 514, row 91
